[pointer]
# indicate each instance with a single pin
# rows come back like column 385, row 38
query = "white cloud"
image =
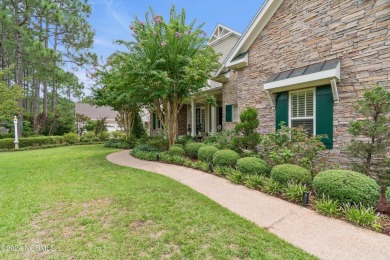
column 114, row 9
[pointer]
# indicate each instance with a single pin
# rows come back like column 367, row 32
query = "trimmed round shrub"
column 206, row 153
column 71, row 138
column 176, row 150
column 192, row 149
column 388, row 194
column 347, row 187
column 253, row 165
column 226, row 158
column 286, row 173
column 158, row 143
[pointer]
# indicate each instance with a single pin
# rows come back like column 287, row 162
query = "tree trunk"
column 36, row 105
column 19, row 76
column 54, row 88
column 45, row 102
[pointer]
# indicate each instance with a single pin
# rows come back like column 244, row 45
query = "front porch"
column 206, row 119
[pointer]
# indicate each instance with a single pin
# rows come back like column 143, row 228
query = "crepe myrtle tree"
column 168, row 61
column 112, row 90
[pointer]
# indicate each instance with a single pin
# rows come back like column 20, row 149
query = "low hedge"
column 192, row 149
column 176, row 150
column 117, row 143
column 8, row 144
column 206, row 153
column 388, row 194
column 286, row 173
column 253, row 165
column 347, row 187
column 226, row 158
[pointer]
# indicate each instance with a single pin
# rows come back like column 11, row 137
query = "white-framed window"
column 235, row 113
column 301, row 109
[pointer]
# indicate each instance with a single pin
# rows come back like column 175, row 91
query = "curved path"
column 324, row 237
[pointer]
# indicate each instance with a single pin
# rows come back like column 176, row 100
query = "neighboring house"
column 198, row 113
column 98, row 113
column 306, row 63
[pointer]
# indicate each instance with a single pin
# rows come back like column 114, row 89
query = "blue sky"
column 111, row 18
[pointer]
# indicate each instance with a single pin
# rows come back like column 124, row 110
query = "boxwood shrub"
column 176, row 150
column 206, row 153
column 347, row 187
column 8, row 143
column 252, row 165
column 226, row 158
column 286, row 173
column 388, row 195
column 192, row 149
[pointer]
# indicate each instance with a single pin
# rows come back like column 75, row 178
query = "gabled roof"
column 252, row 31
column 221, row 32
column 95, row 112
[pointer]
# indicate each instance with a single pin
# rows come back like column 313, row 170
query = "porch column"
column 193, row 117
column 213, row 120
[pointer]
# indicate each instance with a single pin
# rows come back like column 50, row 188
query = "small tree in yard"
column 247, row 137
column 167, row 63
column 371, row 135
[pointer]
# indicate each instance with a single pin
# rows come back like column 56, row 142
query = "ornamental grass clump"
column 363, row 216
column 347, row 187
column 327, row 207
column 254, row 181
column 226, row 158
column 192, row 149
column 253, row 165
column 206, row 153
column 286, row 173
column 294, row 191
column 271, row 186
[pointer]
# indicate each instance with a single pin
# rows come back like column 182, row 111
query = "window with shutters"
column 235, row 113
column 302, row 110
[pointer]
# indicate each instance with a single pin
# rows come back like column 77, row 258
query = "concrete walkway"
column 324, row 237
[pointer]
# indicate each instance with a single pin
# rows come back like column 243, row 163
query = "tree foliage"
column 371, row 135
column 167, row 62
column 247, row 137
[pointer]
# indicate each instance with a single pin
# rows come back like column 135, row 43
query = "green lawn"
column 86, row 207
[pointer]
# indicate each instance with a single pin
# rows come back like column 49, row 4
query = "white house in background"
column 199, row 117
column 97, row 113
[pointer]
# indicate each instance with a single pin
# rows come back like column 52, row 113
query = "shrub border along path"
column 324, row 237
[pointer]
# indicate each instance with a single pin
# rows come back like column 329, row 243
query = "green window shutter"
column 281, row 108
column 154, row 120
column 324, row 114
column 229, row 113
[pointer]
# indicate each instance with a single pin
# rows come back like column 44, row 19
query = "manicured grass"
column 74, row 199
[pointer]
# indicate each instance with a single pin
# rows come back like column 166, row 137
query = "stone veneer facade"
column 304, row 32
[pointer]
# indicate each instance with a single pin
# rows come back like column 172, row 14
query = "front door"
column 200, row 120
column 219, row 126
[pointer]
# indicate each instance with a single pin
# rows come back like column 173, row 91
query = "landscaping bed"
column 287, row 163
